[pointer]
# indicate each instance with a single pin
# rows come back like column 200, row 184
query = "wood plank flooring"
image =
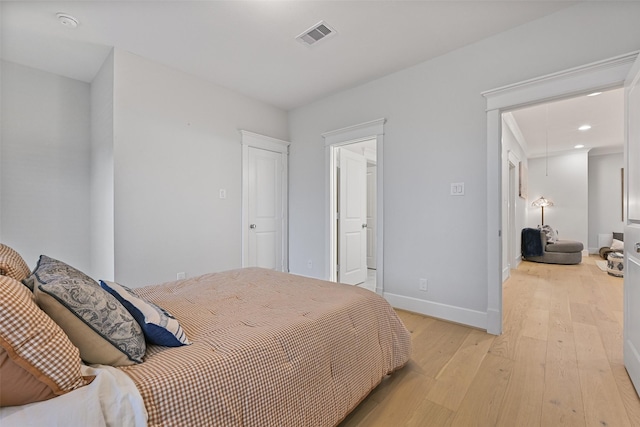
column 558, row 362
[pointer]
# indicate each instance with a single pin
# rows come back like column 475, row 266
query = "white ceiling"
column 553, row 127
column 249, row 46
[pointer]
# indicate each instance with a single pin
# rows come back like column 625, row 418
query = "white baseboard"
column 505, row 271
column 494, row 322
column 451, row 313
column 585, row 252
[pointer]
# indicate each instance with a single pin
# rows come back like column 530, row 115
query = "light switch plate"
column 457, row 188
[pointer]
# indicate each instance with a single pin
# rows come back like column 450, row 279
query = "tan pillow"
column 12, row 264
column 33, row 349
column 30, row 389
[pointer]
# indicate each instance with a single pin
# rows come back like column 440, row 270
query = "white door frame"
column 333, row 139
column 512, row 163
column 605, row 74
column 371, row 207
column 250, row 139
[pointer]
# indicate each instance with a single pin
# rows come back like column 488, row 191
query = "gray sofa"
column 560, row 252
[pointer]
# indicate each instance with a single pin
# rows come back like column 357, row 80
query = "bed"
column 266, row 348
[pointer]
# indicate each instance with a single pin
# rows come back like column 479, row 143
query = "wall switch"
column 309, row 264
column 181, row 275
column 423, row 285
column 223, row 193
column 457, row 188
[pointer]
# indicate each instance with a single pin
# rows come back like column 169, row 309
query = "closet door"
column 265, row 209
column 264, row 201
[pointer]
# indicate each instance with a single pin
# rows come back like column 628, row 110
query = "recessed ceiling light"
column 584, row 127
column 579, row 146
column 67, row 20
column 595, row 94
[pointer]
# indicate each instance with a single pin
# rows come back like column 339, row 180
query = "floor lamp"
column 541, row 202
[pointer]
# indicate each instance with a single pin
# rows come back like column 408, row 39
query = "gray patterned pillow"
column 102, row 329
column 551, row 235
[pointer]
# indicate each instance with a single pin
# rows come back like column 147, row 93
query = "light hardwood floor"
column 558, row 362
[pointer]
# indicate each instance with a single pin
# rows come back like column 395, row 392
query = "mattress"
column 268, row 348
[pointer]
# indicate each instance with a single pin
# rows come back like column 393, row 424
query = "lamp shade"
column 541, row 202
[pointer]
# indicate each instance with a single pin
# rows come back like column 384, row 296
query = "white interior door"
column 371, row 216
column 632, row 227
column 352, row 222
column 265, row 209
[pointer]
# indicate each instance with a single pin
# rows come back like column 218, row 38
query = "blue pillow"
column 159, row 326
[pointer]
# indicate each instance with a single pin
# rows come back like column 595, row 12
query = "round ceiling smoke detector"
column 67, row 20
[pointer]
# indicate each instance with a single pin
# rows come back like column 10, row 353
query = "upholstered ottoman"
column 615, row 264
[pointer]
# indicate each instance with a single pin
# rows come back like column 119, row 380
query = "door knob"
column 364, row 225
column 252, row 226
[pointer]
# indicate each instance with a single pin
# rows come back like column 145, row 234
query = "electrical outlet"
column 181, row 275
column 223, row 193
column 423, row 285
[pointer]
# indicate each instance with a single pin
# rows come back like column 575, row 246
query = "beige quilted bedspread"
column 269, row 349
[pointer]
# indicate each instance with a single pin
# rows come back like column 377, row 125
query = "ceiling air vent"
column 316, row 33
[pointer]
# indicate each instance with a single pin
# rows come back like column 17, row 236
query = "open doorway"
column 581, row 80
column 369, row 131
column 571, row 152
column 354, row 192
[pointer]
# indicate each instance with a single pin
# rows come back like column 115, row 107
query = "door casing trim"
column 344, row 136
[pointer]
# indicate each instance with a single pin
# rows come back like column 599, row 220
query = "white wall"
column 605, row 197
column 176, row 143
column 436, row 134
column 565, row 182
column 45, row 165
column 102, row 209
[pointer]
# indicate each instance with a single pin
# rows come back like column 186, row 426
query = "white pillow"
column 617, row 245
column 158, row 325
column 551, row 235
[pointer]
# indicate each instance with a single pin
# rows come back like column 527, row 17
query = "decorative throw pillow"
column 37, row 360
column 12, row 264
column 548, row 231
column 158, row 325
column 103, row 330
column 617, row 245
